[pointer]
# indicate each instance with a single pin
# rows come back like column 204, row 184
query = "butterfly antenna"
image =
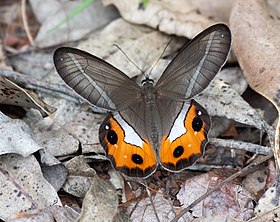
column 128, row 58
column 160, row 56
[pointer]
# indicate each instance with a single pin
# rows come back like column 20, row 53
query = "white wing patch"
column 130, row 136
column 178, row 128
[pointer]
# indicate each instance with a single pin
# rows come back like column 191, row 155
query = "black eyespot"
column 197, row 124
column 137, row 159
column 112, row 137
column 179, row 150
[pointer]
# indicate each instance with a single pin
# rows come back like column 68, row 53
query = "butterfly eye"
column 197, row 124
column 112, row 137
column 179, row 150
column 137, row 159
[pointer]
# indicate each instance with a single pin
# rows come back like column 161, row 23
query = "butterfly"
column 152, row 123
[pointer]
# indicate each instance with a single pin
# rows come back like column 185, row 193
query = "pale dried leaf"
column 100, row 202
column 272, row 215
column 220, row 99
column 268, row 201
column 12, row 94
column 16, row 137
column 23, row 187
column 141, row 44
column 183, row 18
column 50, row 214
column 58, row 142
column 51, row 13
column 85, row 127
column 80, row 177
column 255, row 182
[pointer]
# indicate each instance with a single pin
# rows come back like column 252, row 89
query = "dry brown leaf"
column 231, row 199
column 256, row 44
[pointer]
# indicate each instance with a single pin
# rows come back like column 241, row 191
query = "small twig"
column 235, row 144
column 25, row 22
column 242, row 172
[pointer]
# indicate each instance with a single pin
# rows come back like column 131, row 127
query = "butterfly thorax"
column 152, row 117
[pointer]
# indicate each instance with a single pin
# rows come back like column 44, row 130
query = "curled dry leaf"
column 12, row 94
column 257, row 48
column 183, row 18
column 23, row 187
column 16, row 137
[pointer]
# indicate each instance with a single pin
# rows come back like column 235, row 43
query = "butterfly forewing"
column 197, row 63
column 97, row 81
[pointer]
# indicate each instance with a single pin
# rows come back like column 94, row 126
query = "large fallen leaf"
column 256, row 44
column 183, row 18
column 16, row 137
column 23, row 187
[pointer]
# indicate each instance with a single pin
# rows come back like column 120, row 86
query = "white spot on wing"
column 178, row 128
column 131, row 136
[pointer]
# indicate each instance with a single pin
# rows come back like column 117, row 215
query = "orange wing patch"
column 182, row 152
column 130, row 159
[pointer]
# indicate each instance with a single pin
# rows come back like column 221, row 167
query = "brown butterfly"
column 155, row 122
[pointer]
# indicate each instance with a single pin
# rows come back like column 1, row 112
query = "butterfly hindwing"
column 186, row 139
column 128, row 152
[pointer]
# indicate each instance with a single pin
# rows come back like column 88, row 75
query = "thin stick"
column 25, row 22
column 235, row 144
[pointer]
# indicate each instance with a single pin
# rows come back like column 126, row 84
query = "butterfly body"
column 155, row 123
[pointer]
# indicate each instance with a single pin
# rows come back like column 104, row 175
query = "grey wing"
column 191, row 71
column 97, row 81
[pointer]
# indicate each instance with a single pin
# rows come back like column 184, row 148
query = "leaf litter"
column 74, row 139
